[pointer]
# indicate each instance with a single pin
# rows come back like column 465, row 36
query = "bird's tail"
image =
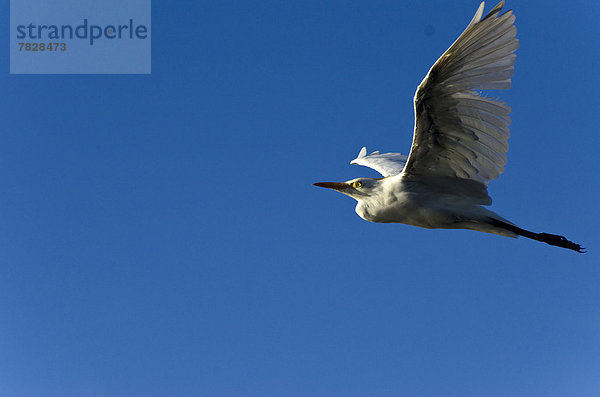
column 552, row 239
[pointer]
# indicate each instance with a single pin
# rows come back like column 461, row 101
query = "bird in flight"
column 459, row 142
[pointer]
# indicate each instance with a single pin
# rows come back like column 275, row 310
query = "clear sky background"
column 160, row 234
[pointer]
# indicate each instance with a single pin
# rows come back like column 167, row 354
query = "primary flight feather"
column 459, row 144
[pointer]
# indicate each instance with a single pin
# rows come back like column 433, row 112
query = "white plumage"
column 459, row 144
column 386, row 164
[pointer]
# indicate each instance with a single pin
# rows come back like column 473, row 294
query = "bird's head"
column 359, row 188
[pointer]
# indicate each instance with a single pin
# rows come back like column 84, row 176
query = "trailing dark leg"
column 552, row 239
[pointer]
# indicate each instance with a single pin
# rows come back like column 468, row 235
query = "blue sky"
column 160, row 234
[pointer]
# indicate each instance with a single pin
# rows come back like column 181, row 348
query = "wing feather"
column 387, row 164
column 460, row 134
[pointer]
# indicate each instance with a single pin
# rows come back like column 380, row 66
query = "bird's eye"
column 357, row 184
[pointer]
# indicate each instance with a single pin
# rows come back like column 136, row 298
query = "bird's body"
column 460, row 142
column 415, row 204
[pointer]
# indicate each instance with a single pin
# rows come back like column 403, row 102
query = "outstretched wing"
column 460, row 137
column 387, row 164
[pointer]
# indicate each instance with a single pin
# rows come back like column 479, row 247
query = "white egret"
column 459, row 143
